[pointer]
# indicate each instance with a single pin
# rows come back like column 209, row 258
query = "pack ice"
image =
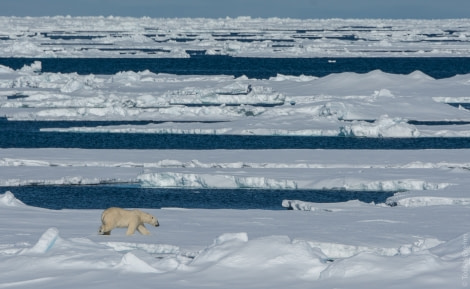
column 356, row 245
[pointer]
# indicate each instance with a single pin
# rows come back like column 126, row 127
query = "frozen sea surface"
column 375, row 104
column 417, row 238
column 332, row 246
column 118, row 37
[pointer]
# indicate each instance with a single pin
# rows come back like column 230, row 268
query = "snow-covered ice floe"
column 357, row 244
column 418, row 177
column 242, row 37
column 375, row 104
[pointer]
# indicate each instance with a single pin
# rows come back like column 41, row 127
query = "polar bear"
column 131, row 219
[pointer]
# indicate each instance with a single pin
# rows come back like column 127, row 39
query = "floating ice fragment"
column 35, row 67
column 305, row 206
column 243, row 237
column 424, row 201
column 383, row 127
column 171, row 179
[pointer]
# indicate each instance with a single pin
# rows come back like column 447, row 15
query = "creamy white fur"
column 131, row 219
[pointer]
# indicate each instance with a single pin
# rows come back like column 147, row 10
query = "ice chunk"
column 383, row 127
column 395, row 185
column 424, row 201
column 45, row 242
column 132, row 263
column 35, row 67
column 171, row 179
column 297, row 205
column 8, row 199
column 383, row 93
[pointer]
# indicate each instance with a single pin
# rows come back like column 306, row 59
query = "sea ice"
column 375, row 104
column 206, row 248
column 45, row 243
column 241, row 37
column 405, row 243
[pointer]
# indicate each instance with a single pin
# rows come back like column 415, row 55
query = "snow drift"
column 74, row 256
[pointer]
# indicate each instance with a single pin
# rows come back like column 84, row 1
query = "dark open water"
column 437, row 67
column 101, row 197
column 15, row 139
column 27, row 135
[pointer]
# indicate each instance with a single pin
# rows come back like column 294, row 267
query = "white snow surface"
column 375, row 104
column 65, row 36
column 418, row 239
column 350, row 244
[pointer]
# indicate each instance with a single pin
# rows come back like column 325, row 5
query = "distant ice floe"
column 429, row 201
column 456, row 196
column 218, row 180
column 375, row 104
column 383, row 127
column 180, row 180
column 421, row 174
column 230, row 95
column 298, row 205
column 67, row 180
column 241, row 37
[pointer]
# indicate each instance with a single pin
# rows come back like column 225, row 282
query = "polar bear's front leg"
column 141, row 228
column 131, row 228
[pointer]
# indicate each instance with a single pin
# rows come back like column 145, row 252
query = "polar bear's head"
column 149, row 219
